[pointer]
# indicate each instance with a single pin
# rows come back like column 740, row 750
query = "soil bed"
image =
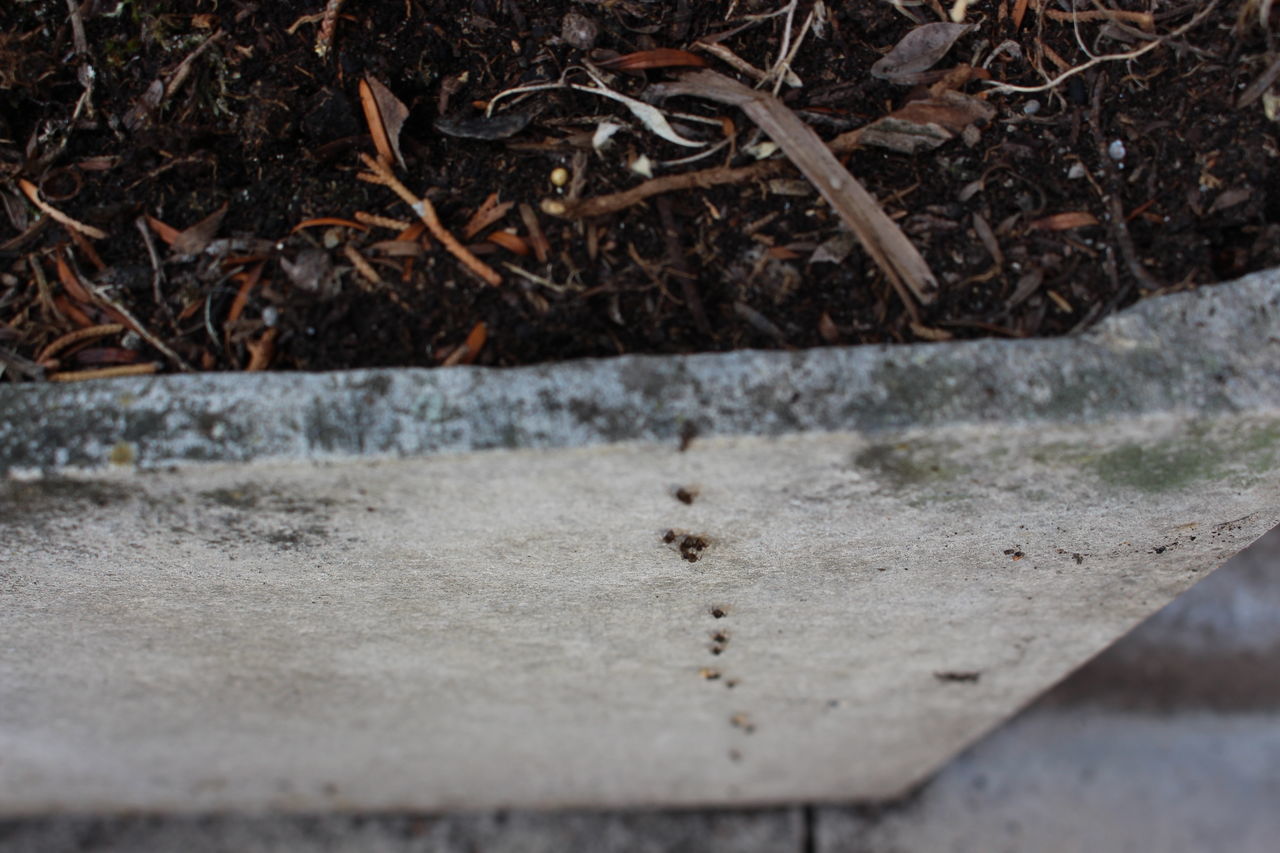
column 136, row 121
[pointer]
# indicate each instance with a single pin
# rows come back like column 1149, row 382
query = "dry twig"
column 101, row 296
column 884, row 241
column 1115, row 210
column 105, row 372
column 381, row 174
column 30, row 191
column 328, row 25
column 77, row 336
column 1199, row 17
column 703, row 178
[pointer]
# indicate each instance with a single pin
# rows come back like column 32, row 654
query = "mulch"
column 242, row 185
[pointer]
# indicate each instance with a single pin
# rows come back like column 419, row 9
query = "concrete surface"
column 1167, row 741
column 1190, row 355
column 894, row 550
column 722, row 831
column 1122, row 756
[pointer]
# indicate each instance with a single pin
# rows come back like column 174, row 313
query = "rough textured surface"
column 1201, row 352
column 1169, row 740
column 845, row 596
column 1122, row 756
column 760, row 831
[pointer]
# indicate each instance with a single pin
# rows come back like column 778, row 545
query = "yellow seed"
column 559, row 176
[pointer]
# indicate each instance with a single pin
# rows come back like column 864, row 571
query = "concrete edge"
column 1206, row 351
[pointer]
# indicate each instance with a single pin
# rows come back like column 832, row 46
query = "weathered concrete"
column 1124, row 755
column 1169, row 740
column 721, row 831
column 896, row 549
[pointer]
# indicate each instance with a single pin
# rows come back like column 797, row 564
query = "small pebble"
column 1116, row 150
column 270, row 316
column 579, row 30
column 1031, row 107
column 1076, row 171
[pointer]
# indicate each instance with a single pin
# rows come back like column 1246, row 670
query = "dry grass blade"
column 879, row 235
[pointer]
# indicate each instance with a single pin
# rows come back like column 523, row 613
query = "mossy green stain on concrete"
column 244, row 498
column 122, row 454
column 1157, row 468
column 22, row 501
column 1237, row 454
column 1162, row 465
column 911, row 465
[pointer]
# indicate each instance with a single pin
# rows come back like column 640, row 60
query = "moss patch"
column 1243, row 452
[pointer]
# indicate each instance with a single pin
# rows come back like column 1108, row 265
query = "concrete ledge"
column 865, row 559
column 1203, row 352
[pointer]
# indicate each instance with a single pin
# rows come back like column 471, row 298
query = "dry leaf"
column 194, row 240
column 261, row 350
column 649, row 115
column 662, row 57
column 884, row 241
column 397, row 248
column 1019, row 10
column 489, row 212
column 925, row 124
column 475, row 341
column 484, row 127
column 827, row 328
column 1230, row 198
column 510, row 242
column 164, row 231
column 918, row 51
column 385, row 114
column 313, row 272
column 930, row 333
column 1065, row 221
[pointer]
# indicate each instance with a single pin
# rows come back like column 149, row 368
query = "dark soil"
column 265, row 126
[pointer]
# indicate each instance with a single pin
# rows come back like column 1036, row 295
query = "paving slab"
column 1169, row 740
column 735, row 579
column 1165, row 741
column 720, row 831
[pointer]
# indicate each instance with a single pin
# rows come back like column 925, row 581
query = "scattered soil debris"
column 324, row 185
column 690, row 545
column 958, row 677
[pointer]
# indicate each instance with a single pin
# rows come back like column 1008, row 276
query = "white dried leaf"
column 835, row 249
column 649, row 115
column 918, row 51
column 604, row 132
column 761, row 150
